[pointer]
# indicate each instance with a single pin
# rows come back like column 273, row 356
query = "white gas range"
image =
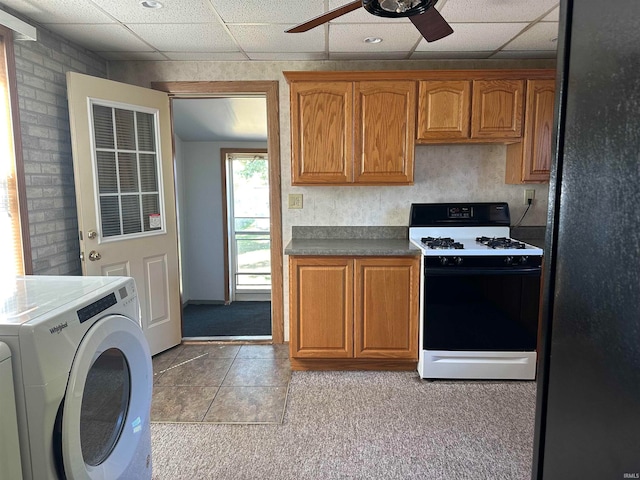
column 479, row 294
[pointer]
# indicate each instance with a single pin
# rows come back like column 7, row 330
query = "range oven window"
column 468, row 311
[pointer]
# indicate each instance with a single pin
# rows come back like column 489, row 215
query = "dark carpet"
column 238, row 318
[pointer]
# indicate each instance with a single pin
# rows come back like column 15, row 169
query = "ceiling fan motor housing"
column 397, row 8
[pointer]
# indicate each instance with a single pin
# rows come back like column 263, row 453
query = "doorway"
column 248, row 224
column 195, row 91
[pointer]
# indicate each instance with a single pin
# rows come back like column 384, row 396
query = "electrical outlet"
column 295, row 200
column 529, row 194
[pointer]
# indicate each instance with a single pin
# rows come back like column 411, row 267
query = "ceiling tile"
column 173, row 11
column 206, row 56
column 287, row 56
column 60, row 11
column 395, row 37
column 199, row 37
column 474, row 37
column 554, row 16
column 360, row 15
column 133, row 56
column 495, row 10
column 447, row 55
column 272, row 38
column 525, row 54
column 541, row 36
column 102, row 38
column 268, row 11
column 369, row 56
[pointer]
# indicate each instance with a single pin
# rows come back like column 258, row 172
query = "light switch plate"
column 295, row 200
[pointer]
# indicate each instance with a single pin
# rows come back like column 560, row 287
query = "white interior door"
column 123, row 168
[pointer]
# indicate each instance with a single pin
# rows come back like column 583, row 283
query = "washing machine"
column 9, row 448
column 82, row 376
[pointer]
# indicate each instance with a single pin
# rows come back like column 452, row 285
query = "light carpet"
column 365, row 425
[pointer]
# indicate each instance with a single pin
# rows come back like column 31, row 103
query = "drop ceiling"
column 254, row 30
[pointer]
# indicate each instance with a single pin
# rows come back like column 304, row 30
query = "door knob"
column 93, row 256
column 91, row 234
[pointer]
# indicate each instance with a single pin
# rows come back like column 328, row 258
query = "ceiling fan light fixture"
column 397, row 8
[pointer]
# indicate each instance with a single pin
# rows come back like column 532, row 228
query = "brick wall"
column 46, row 142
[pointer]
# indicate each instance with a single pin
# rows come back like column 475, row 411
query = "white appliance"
column 480, row 292
column 82, row 376
column 9, row 448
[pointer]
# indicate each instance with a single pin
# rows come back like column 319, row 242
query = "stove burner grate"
column 500, row 242
column 441, row 243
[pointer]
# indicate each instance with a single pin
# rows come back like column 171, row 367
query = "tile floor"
column 211, row 382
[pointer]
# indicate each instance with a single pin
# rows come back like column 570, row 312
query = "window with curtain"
column 13, row 223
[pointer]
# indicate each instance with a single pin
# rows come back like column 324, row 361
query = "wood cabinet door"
column 386, row 307
column 385, row 127
column 541, row 96
column 321, row 307
column 444, row 110
column 321, row 132
column 497, row 108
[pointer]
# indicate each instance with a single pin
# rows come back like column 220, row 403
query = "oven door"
column 481, row 308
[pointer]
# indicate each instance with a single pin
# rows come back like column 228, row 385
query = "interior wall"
column 182, row 217
column 443, row 172
column 46, row 145
column 202, row 240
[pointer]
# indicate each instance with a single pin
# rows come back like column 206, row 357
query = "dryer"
column 82, row 376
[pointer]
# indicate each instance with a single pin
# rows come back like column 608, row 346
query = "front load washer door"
column 105, row 418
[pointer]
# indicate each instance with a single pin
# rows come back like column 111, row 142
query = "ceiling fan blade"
column 431, row 25
column 325, row 17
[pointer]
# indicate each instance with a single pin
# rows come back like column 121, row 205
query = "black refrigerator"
column 588, row 404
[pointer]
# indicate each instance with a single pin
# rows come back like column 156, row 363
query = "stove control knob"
column 458, row 260
column 444, row 261
column 523, row 259
column 508, row 260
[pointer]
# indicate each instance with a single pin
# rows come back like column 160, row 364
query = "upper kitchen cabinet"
column 496, row 111
column 361, row 128
column 470, row 111
column 530, row 160
column 351, row 132
column 385, row 131
column 444, row 110
column 322, row 132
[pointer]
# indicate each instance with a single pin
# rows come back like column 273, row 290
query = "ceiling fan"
column 431, row 25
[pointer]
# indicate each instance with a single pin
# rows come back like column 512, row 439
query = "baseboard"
column 352, row 364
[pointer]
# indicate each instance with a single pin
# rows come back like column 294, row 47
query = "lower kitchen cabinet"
column 353, row 312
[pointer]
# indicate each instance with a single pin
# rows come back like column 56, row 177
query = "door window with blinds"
column 126, row 155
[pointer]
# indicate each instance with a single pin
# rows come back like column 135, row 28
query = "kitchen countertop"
column 351, row 241
column 532, row 235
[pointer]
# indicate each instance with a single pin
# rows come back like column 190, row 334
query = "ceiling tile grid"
column 255, row 29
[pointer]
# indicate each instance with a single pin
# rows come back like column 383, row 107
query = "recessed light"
column 372, row 40
column 151, row 4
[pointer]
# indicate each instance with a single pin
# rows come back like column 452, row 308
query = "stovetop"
column 460, row 242
column 469, row 229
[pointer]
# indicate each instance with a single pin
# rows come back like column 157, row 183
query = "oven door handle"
column 451, row 271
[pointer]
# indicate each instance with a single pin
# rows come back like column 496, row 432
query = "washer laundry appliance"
column 82, row 375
